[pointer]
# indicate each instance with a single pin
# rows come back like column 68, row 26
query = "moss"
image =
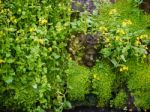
column 120, row 100
column 139, row 83
column 77, row 81
column 102, row 82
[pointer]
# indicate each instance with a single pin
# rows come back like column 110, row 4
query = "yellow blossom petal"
column 43, row 21
column 121, row 69
column 121, row 31
column 112, row 12
column 103, row 28
column 126, row 22
column 143, row 36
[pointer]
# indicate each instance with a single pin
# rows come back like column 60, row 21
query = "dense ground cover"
column 37, row 72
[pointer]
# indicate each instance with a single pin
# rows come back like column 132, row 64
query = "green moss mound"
column 120, row 100
column 139, row 83
column 77, row 81
column 102, row 82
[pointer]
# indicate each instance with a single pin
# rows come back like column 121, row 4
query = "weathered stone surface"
column 145, row 5
column 83, row 5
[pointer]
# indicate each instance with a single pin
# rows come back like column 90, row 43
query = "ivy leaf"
column 67, row 105
column 123, row 58
column 115, row 63
column 106, row 52
column 10, row 60
column 56, row 56
column 8, row 79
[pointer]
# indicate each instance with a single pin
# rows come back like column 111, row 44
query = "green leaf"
column 56, row 56
column 106, row 52
column 67, row 105
column 8, row 79
column 123, row 58
column 115, row 62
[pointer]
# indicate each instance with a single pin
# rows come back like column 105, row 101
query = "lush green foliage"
column 33, row 53
column 37, row 73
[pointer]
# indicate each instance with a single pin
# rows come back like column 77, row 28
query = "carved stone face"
column 89, row 57
column 83, row 48
column 91, row 39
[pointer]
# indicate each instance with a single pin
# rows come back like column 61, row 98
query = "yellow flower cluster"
column 123, row 68
column 138, row 39
column 103, row 29
column 120, row 31
column 43, row 21
column 112, row 12
column 138, row 42
column 126, row 22
column 144, row 36
column 2, row 61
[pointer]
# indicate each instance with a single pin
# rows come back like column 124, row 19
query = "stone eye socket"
column 91, row 39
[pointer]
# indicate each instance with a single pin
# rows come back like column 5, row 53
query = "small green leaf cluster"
column 36, row 71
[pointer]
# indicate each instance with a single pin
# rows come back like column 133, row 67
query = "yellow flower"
column 143, row 36
column 120, row 31
column 112, row 12
column 103, row 29
column 138, row 42
column 2, row 61
column 123, row 68
column 126, row 22
column 42, row 21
